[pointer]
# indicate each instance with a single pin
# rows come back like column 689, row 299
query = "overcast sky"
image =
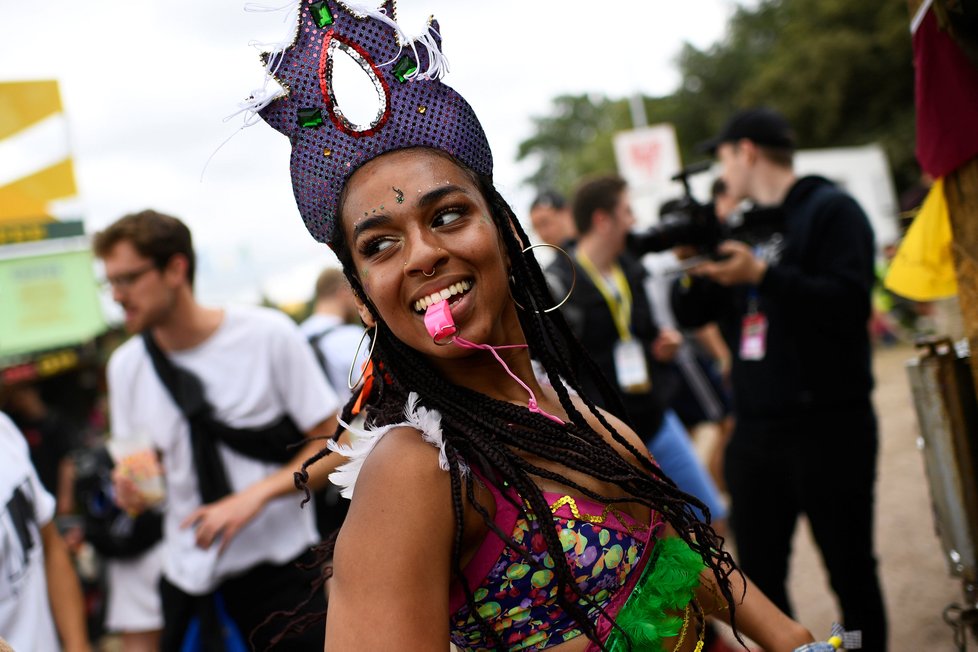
column 146, row 86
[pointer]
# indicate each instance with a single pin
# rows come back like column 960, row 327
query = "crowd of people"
column 497, row 454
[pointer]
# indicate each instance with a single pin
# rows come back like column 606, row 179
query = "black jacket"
column 817, row 302
column 590, row 318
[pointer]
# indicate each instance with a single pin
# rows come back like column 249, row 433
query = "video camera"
column 689, row 222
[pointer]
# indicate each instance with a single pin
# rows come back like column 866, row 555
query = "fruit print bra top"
column 606, row 550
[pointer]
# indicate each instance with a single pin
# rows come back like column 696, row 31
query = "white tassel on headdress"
column 425, row 421
column 270, row 89
column 437, row 62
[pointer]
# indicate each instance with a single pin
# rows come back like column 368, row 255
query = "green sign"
column 48, row 301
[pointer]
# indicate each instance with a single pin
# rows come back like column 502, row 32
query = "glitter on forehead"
column 417, row 112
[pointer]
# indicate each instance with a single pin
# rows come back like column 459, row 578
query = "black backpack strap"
column 314, row 341
column 187, row 392
column 185, row 388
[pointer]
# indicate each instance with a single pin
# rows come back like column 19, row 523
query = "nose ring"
column 427, row 274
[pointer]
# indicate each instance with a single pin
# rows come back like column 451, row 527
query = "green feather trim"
column 667, row 583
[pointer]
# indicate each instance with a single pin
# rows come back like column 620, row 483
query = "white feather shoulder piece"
column 425, row 421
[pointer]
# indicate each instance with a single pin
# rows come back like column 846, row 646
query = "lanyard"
column 621, row 310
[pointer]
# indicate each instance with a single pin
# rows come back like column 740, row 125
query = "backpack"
column 112, row 532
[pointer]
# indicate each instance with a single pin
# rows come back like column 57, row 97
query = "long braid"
column 699, row 535
column 489, row 434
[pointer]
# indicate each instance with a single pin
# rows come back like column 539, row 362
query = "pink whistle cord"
column 438, row 319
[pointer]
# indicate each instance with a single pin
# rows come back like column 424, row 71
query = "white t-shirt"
column 338, row 347
column 254, row 368
column 25, row 613
column 133, row 602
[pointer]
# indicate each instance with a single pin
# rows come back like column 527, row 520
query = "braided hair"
column 498, row 438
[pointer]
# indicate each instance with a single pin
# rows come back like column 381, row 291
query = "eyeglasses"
column 126, row 280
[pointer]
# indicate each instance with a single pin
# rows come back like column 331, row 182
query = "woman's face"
column 417, row 226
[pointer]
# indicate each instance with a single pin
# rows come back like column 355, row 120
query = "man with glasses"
column 211, row 391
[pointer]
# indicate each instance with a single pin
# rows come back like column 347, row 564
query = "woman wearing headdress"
column 488, row 508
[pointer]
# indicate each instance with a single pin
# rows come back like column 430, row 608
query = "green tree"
column 575, row 140
column 840, row 71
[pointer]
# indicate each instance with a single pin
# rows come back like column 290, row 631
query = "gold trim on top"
column 591, row 518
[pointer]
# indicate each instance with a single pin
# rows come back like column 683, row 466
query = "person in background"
column 710, row 344
column 40, row 596
column 228, row 398
column 340, row 344
column 334, row 331
column 50, row 439
column 794, row 310
column 551, row 218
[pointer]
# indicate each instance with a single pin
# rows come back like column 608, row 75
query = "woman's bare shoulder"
column 401, row 460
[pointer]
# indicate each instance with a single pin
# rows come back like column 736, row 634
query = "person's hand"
column 682, row 252
column 225, row 518
column 724, row 366
column 665, row 346
column 739, row 266
column 74, row 537
column 126, row 494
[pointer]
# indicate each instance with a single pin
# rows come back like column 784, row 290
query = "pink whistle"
column 441, row 326
column 439, row 322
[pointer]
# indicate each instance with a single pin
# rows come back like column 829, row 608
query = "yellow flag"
column 36, row 170
column 923, row 268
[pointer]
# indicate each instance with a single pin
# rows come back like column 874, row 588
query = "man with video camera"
column 794, row 310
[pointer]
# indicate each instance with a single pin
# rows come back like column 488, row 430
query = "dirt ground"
column 916, row 582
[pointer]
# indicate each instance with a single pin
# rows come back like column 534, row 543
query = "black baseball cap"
column 762, row 126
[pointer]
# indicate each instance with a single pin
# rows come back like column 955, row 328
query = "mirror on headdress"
column 355, row 89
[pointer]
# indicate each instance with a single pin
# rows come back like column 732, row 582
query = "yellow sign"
column 36, row 169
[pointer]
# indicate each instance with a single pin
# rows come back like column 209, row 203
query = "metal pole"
column 637, row 106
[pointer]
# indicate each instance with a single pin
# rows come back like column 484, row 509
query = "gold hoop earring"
column 373, row 342
column 573, row 277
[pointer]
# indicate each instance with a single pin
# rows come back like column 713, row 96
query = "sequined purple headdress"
column 417, row 110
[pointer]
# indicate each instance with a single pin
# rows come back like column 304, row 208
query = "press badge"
column 630, row 368
column 753, row 336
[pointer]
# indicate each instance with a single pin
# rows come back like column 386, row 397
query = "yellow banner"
column 923, row 268
column 35, row 162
